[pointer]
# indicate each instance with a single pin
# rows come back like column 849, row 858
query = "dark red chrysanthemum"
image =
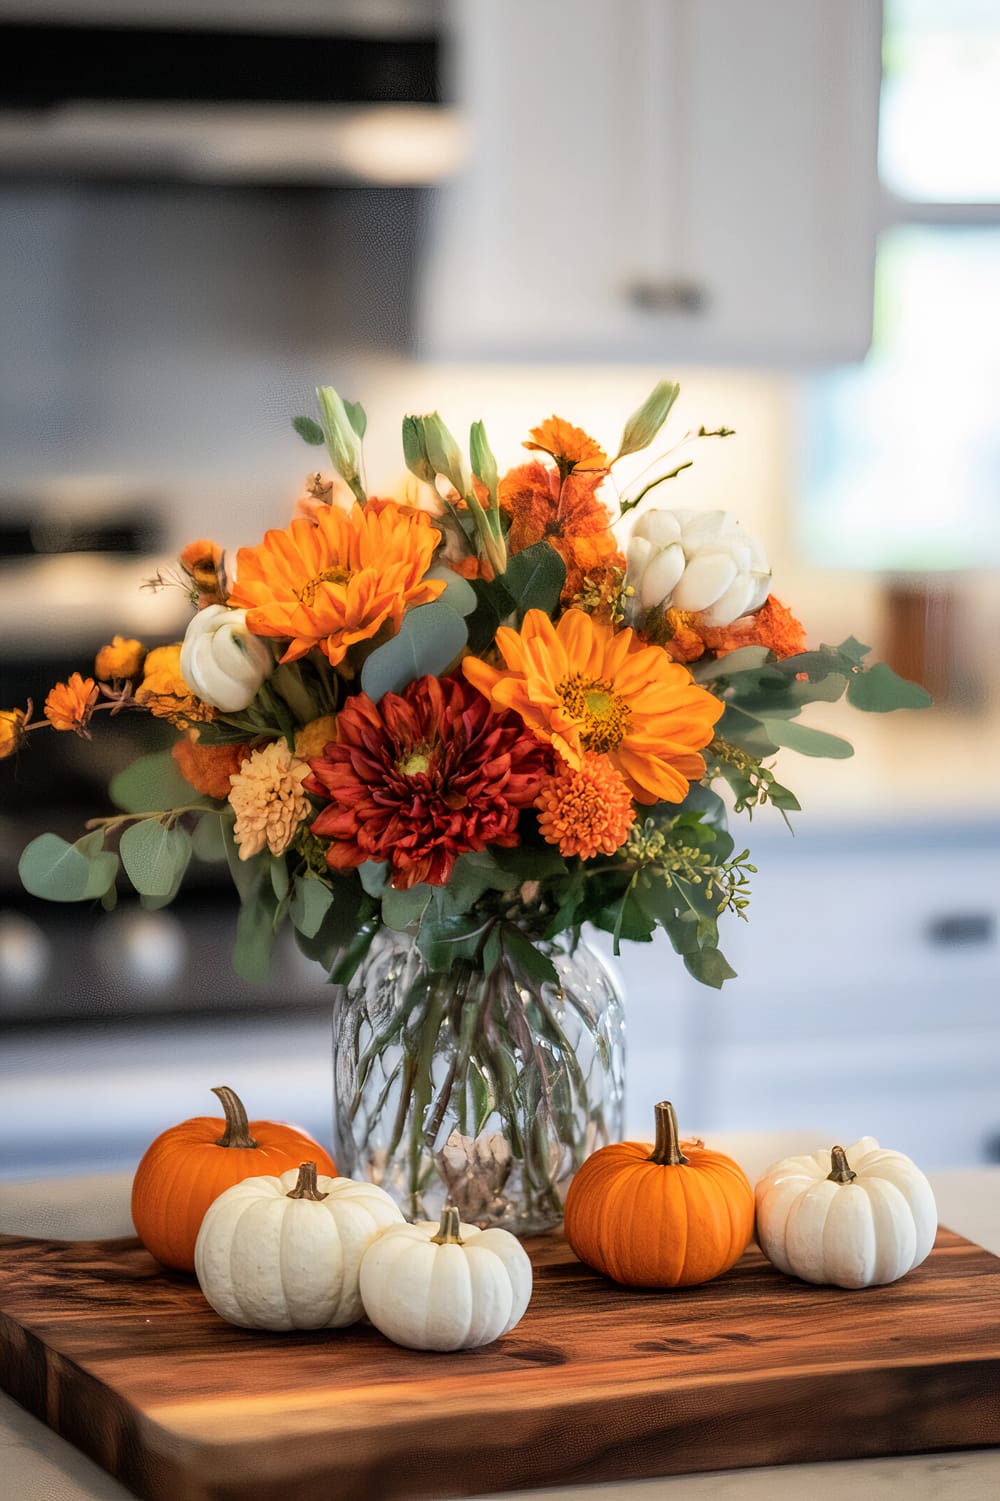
column 423, row 777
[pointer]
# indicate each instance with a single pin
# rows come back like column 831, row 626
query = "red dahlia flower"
column 423, row 777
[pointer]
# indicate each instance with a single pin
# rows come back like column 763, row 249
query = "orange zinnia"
column 587, row 688
column 570, row 446
column 339, row 579
column 70, row 704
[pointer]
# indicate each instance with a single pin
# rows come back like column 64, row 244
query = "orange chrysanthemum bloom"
column 570, row 446
column 202, row 561
column 267, row 797
column 12, row 722
column 208, row 768
column 70, row 705
column 121, row 660
column 587, row 688
column 339, row 579
column 773, row 626
column 164, row 692
column 567, row 514
column 586, row 810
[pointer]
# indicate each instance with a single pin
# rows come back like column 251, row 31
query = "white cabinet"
column 692, row 180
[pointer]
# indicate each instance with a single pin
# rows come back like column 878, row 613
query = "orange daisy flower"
column 587, row 810
column 339, row 579
column 565, row 513
column 70, row 705
column 122, row 659
column 12, row 722
column 585, row 687
column 570, row 446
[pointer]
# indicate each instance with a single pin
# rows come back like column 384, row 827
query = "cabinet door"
column 689, row 179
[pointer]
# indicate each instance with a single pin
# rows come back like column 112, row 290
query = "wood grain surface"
column 128, row 1362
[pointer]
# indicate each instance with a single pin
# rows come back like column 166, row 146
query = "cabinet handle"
column 961, row 929
column 671, row 295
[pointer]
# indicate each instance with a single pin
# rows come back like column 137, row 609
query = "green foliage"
column 428, row 641
column 155, row 856
column 309, row 431
column 879, row 690
column 61, row 872
column 153, row 784
column 534, row 579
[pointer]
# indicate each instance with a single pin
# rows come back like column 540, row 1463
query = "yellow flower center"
column 414, row 764
column 335, row 575
column 602, row 715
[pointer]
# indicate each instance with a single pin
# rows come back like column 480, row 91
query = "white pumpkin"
column 284, row 1253
column 450, row 1286
column 858, row 1217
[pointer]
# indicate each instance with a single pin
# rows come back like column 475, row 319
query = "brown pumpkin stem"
column 842, row 1172
column 667, row 1147
column 306, row 1186
column 447, row 1234
column 237, row 1132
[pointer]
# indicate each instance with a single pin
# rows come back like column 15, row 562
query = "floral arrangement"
column 478, row 713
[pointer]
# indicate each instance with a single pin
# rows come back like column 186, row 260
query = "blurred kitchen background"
column 500, row 209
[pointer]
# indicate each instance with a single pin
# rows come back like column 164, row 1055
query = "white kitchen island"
column 37, row 1465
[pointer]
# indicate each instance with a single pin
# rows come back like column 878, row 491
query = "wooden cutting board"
column 128, row 1362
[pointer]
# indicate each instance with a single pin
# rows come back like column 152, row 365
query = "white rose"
column 701, row 561
column 221, row 661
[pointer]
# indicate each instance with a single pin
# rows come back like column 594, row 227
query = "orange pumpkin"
column 189, row 1165
column 671, row 1216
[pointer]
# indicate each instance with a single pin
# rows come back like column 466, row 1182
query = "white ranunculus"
column 221, row 661
column 702, row 561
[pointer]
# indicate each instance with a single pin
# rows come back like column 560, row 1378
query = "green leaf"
column 280, row 879
column 60, row 872
column 253, row 949
column 534, row 578
column 492, row 950
column 428, row 641
column 524, row 954
column 710, row 967
column 373, row 875
column 207, row 838
column 401, row 909
column 357, row 417
column 483, row 1098
column 644, row 423
column 152, row 784
column 308, row 430
column 806, row 741
column 484, row 465
column 248, row 876
column 459, row 594
column 311, row 901
column 879, row 690
column 155, row 857
column 444, row 940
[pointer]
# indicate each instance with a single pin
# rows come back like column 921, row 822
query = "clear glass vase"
column 484, row 1091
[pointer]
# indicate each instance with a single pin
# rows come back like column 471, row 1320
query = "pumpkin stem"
column 448, row 1229
column 237, row 1132
column 667, row 1147
column 306, row 1186
column 842, row 1172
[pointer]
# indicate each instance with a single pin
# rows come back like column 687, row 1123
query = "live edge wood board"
column 129, row 1363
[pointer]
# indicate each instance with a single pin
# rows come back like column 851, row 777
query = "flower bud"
column 221, row 661
column 698, row 561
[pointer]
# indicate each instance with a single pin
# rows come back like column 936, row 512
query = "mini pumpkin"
column 190, row 1164
column 446, row 1286
column 671, row 1215
column 858, row 1217
column 285, row 1252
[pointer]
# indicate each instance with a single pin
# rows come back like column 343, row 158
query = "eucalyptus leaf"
column 253, row 950
column 808, row 742
column 153, row 784
column 51, row 868
column 427, row 642
column 373, row 875
column 458, row 594
column 879, row 690
column 644, row 423
column 207, row 838
column 311, row 901
column 308, row 430
column 710, row 967
column 534, row 578
column 280, row 879
column 247, row 875
column 401, row 909
column 155, row 857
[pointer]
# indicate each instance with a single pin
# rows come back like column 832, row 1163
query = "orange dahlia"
column 339, row 579
column 566, row 513
column 585, row 687
column 421, row 778
column 585, row 810
column 70, row 705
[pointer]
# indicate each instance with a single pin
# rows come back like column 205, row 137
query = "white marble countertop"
column 38, row 1465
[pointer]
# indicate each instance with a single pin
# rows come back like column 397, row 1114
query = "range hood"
column 301, row 91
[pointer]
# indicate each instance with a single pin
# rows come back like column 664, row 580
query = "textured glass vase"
column 485, row 1091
